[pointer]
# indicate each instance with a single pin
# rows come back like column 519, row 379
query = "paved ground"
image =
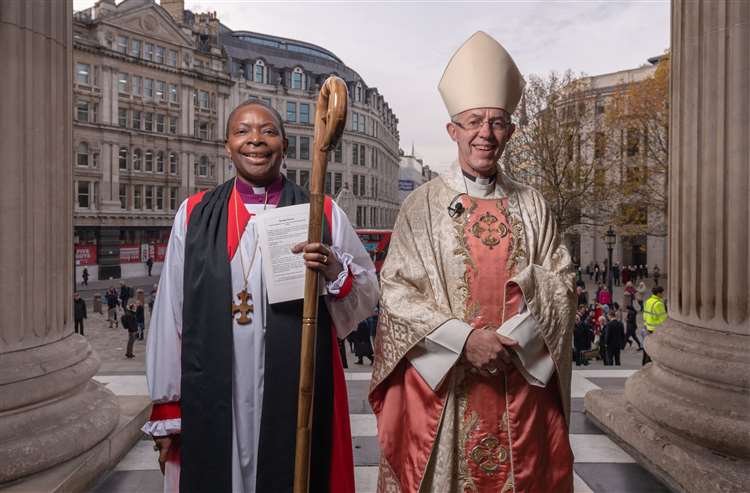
column 600, row 465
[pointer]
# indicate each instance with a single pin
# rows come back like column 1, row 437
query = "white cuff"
column 345, row 259
column 162, row 427
column 434, row 356
column 531, row 357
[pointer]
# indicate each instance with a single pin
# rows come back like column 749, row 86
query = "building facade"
column 412, row 174
column 153, row 86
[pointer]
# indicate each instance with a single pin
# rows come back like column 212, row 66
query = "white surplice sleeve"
column 353, row 296
column 163, row 347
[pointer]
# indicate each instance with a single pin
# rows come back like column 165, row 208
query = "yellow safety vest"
column 654, row 313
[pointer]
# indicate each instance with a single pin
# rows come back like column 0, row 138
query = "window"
column 203, row 166
column 338, row 153
column 161, row 89
column 304, row 178
column 137, row 160
column 84, row 194
column 173, row 124
column 600, row 143
column 122, row 117
column 203, row 99
column 634, row 136
column 173, row 93
column 137, row 116
column 360, row 216
column 160, row 162
column 260, row 71
column 203, row 130
column 148, row 197
column 148, row 161
column 297, row 78
column 149, row 122
column 122, row 158
column 172, row 58
column 82, row 111
column 123, row 196
column 361, row 186
column 135, row 85
column 362, row 155
column 291, row 175
column 599, row 108
column 304, row 113
column 83, row 73
column 122, row 83
column 121, row 44
column 355, row 120
column 374, row 186
column 82, row 154
column 291, row 112
column 361, row 124
column 160, row 123
column 337, row 179
column 328, row 184
column 137, row 196
column 172, row 163
column 148, row 88
column 160, row 54
column 355, row 153
column 172, row 198
column 355, row 186
column 135, row 47
column 358, row 93
column 291, row 151
column 373, row 221
column 159, row 198
column 304, row 147
column 148, row 51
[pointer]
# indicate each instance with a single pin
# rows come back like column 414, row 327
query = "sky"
column 402, row 47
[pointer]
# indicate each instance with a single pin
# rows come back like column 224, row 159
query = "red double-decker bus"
column 376, row 242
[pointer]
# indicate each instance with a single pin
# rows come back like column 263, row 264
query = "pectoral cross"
column 243, row 308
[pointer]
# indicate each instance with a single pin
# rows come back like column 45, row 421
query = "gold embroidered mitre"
column 481, row 74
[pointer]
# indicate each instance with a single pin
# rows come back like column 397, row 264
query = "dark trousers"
column 141, row 328
column 578, row 357
column 79, row 327
column 646, row 358
column 131, row 341
column 613, row 356
column 632, row 335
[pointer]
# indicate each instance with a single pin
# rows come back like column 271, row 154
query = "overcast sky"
column 402, row 47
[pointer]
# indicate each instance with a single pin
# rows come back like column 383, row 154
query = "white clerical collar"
column 259, row 190
column 480, row 180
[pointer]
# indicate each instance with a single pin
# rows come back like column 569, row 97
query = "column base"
column 682, row 465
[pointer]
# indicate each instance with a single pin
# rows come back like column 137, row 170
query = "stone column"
column 686, row 416
column 50, row 409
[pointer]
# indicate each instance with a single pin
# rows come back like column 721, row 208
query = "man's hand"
column 486, row 350
column 319, row 257
column 163, row 444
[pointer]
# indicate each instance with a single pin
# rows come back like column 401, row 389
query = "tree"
column 639, row 112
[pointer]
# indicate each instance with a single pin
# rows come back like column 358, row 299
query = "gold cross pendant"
column 243, row 308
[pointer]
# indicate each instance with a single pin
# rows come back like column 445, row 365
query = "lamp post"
column 610, row 238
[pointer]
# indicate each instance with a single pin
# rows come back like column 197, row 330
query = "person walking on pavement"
column 362, row 344
column 654, row 314
column 657, row 274
column 140, row 318
column 631, row 327
column 79, row 312
column 130, row 324
column 152, row 298
column 149, row 265
column 85, row 276
column 124, row 294
column 640, row 294
column 112, row 303
column 614, row 337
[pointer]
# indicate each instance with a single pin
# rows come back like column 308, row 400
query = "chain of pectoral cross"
column 245, row 306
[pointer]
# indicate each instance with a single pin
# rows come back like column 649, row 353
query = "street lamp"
column 610, row 238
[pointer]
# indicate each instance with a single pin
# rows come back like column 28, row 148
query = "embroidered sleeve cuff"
column 434, row 356
column 531, row 357
column 341, row 286
column 163, row 427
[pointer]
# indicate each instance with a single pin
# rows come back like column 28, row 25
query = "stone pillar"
column 50, row 409
column 686, row 416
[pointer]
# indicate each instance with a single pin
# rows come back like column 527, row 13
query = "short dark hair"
column 261, row 103
column 658, row 290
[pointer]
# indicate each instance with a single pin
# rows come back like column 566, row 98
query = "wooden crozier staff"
column 330, row 118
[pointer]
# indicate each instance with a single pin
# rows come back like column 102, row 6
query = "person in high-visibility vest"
column 654, row 314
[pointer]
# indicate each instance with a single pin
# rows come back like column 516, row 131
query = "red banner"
column 130, row 253
column 161, row 252
column 85, row 254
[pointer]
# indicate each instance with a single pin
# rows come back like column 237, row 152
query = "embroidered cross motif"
column 486, row 230
column 488, row 454
column 243, row 308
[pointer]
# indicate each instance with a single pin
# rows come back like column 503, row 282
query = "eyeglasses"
column 496, row 125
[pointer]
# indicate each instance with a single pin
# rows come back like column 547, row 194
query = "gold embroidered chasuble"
column 432, row 275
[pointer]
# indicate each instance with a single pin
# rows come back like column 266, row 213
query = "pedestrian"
column 112, row 304
column 640, row 294
column 654, row 314
column 604, row 297
column 657, row 274
column 645, row 271
column 625, row 274
column 79, row 312
column 633, row 273
column 124, row 294
column 140, row 317
column 85, row 276
column 596, row 273
column 614, row 337
column 616, row 273
column 362, row 344
column 581, row 340
column 152, row 298
column 149, row 265
column 342, row 352
column 590, row 272
column 583, row 296
column 130, row 324
column 631, row 327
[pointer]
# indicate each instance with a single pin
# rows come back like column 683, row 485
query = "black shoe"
column 370, row 358
column 359, row 362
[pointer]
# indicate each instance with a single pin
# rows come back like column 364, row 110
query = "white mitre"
column 481, row 74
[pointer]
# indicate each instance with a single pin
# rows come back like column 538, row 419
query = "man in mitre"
column 471, row 384
column 222, row 362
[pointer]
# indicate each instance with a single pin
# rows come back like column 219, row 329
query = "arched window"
column 297, row 78
column 260, row 72
column 160, row 162
column 137, row 159
column 122, row 158
column 82, row 154
column 148, row 161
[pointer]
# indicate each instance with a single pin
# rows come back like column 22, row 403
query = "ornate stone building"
column 412, row 174
column 149, row 105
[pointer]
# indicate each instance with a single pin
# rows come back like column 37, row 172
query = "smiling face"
column 255, row 144
column 481, row 135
